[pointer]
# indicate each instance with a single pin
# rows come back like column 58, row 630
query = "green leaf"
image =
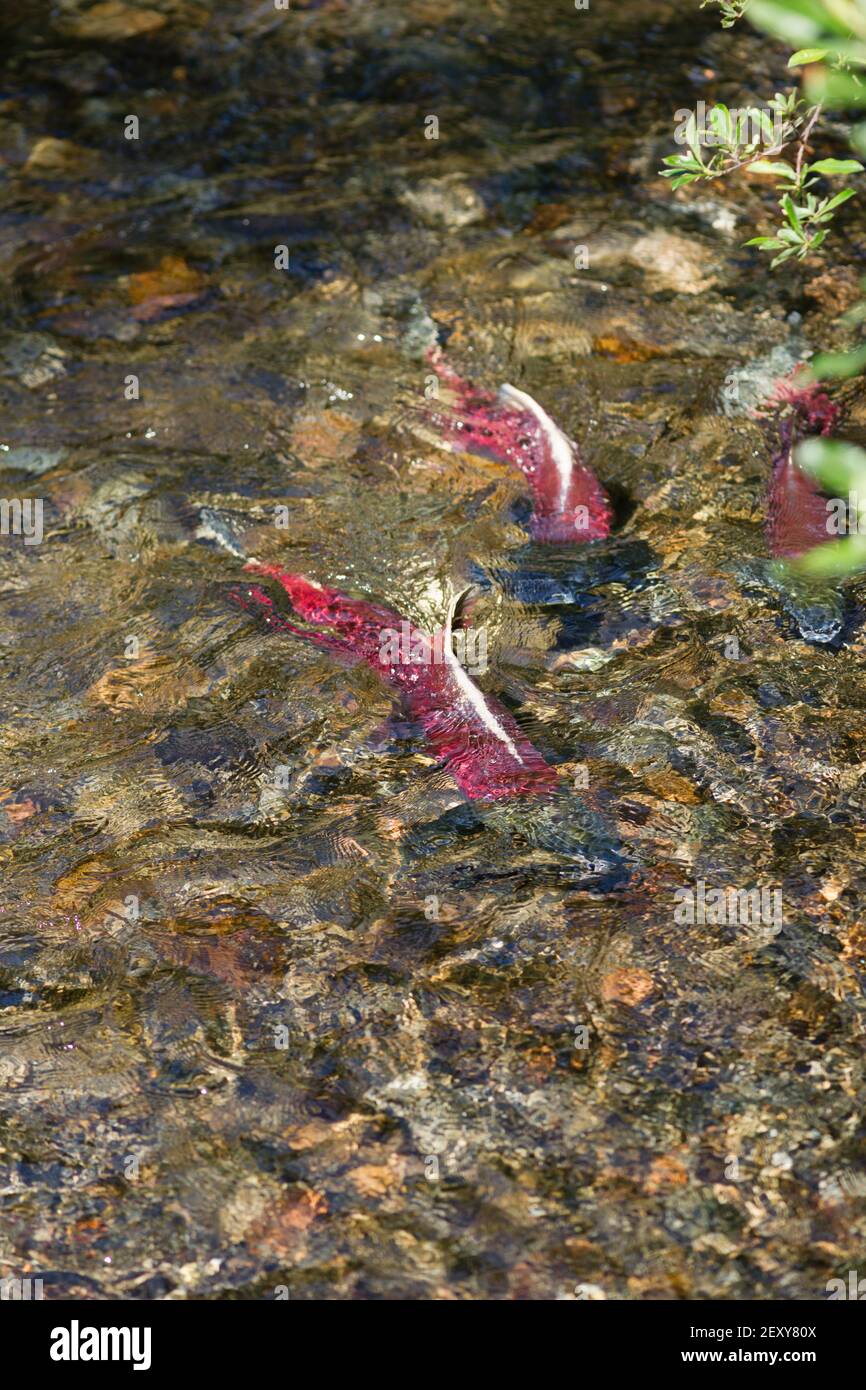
column 766, row 125
column 790, row 211
column 779, row 167
column 845, row 51
column 683, row 178
column 833, row 559
column 691, row 134
column 837, row 89
column 837, row 199
column 679, row 163
column 806, row 55
column 836, row 166
column 838, row 365
column 838, row 466
column 799, row 22
column 720, row 123
column 764, row 241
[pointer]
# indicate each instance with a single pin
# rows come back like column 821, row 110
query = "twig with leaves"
column 737, row 138
column 732, row 10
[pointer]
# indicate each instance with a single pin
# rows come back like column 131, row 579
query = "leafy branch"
column 738, row 138
column 732, row 10
column 805, row 214
column 835, row 31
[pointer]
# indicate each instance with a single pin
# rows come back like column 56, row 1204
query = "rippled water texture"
column 280, row 1005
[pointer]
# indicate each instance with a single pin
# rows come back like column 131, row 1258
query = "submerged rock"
column 447, row 202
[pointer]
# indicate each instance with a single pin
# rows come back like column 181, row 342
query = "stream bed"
column 282, row 1013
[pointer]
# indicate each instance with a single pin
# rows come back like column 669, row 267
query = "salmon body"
column 796, row 508
column 796, row 511
column 511, row 427
column 797, row 514
column 477, row 740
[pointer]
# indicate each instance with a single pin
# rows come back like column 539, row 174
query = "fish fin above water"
column 560, row 449
column 570, row 505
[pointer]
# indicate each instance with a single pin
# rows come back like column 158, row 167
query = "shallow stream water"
column 279, row 1007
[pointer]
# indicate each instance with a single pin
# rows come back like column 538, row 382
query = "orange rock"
column 672, row 787
column 626, row 349
column 665, row 1172
column 112, row 20
column 626, row 986
column 315, row 1132
column 170, row 284
column 834, row 291
column 831, row 887
column 377, row 1179
column 152, row 308
column 540, row 1062
column 52, row 156
column 280, row 1233
column 325, row 437
column 149, row 682
column 547, row 216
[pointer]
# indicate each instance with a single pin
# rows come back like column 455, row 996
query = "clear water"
column 278, row 1006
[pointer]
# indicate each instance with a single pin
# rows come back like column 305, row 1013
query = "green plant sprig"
column 806, row 216
column 732, row 10
column 739, row 139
